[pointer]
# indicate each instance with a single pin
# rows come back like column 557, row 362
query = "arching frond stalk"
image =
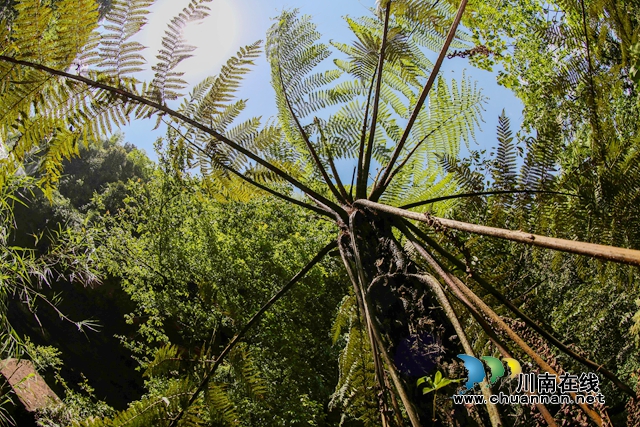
column 380, row 187
column 456, row 285
column 308, row 144
column 610, row 253
column 436, row 288
column 332, row 165
column 518, row 340
column 519, row 313
column 433, row 282
column 363, row 134
column 361, row 186
column 132, row 97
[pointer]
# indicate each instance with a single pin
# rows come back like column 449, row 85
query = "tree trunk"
column 415, row 331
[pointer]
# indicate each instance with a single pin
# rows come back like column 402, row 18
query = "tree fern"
column 394, row 115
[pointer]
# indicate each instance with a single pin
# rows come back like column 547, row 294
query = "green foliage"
column 57, row 115
column 27, row 275
column 453, row 111
column 31, row 100
column 119, row 55
column 100, row 167
column 355, row 392
column 24, row 271
column 588, row 296
column 197, row 270
column 433, row 385
column 436, row 383
column 77, row 405
column 576, row 76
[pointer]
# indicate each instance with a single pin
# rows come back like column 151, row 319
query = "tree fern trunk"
column 415, row 334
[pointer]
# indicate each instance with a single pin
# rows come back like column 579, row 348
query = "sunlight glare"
column 215, row 37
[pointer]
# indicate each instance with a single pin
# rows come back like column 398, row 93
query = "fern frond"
column 247, row 372
column 166, row 84
column 156, row 409
column 504, row 166
column 223, row 87
column 354, row 394
column 165, row 360
column 119, row 56
column 293, row 52
column 470, row 181
column 222, row 409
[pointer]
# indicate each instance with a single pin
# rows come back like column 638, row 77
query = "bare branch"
column 379, row 189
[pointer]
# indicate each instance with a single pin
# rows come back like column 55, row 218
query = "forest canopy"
column 250, row 278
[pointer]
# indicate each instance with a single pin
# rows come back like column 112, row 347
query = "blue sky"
column 235, row 23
